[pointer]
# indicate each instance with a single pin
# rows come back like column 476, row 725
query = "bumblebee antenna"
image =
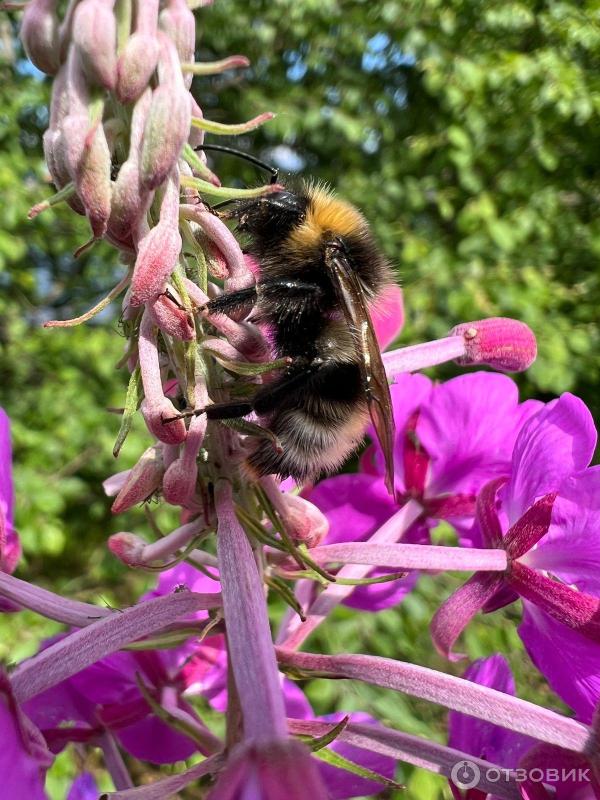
column 221, row 148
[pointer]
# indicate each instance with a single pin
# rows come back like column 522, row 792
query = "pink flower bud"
column 244, row 337
column 240, row 276
column 136, row 65
column 74, row 130
column 158, row 251
column 156, row 413
column 171, row 318
column 156, row 408
column 130, row 201
column 141, row 481
column 59, row 101
column 303, row 521
column 308, row 524
column 92, row 179
column 167, row 128
column 178, row 22
column 388, row 315
column 55, row 149
column 127, row 547
column 95, row 35
column 499, row 342
column 179, row 482
column 39, row 34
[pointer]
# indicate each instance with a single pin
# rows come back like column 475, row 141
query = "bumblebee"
column 320, row 272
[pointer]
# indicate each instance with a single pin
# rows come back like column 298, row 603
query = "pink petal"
column 567, row 659
column 571, row 548
column 555, row 443
column 488, row 523
column 152, row 740
column 468, row 427
column 24, row 755
column 388, row 315
column 408, row 393
column 453, row 616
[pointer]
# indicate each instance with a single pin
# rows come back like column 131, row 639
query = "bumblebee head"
column 270, row 217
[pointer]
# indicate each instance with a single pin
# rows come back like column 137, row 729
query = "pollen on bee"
column 326, row 213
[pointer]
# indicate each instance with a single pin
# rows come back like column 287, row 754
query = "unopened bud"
column 156, row 408
column 156, row 415
column 130, row 200
column 179, row 481
column 303, row 521
column 167, row 129
column 128, row 548
column 157, row 257
column 158, row 251
column 141, row 482
column 92, row 179
column 136, row 65
column 171, row 317
column 95, row 34
column 39, row 34
column 500, row 342
column 177, row 21
column 55, row 148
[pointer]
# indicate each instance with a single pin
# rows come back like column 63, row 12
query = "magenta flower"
column 565, row 648
column 106, row 696
column 538, row 766
column 10, row 547
column 451, row 439
column 357, row 506
column 480, row 738
column 546, row 525
column 24, row 757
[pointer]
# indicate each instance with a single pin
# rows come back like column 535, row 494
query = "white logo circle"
column 465, row 775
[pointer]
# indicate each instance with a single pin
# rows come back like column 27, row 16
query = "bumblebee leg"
column 264, row 401
column 233, row 410
column 271, row 396
column 232, row 301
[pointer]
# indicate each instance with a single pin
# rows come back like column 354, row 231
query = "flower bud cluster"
column 120, row 145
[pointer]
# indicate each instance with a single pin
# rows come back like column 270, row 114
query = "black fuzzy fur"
column 294, row 295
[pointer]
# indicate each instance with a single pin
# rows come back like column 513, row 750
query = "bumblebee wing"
column 351, row 297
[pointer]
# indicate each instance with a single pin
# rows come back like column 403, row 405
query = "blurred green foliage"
column 467, row 131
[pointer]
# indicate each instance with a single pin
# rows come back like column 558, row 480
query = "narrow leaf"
column 133, row 398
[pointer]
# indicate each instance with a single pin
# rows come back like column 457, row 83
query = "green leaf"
column 133, row 399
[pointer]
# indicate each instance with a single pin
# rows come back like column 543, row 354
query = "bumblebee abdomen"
column 317, row 427
column 310, row 445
